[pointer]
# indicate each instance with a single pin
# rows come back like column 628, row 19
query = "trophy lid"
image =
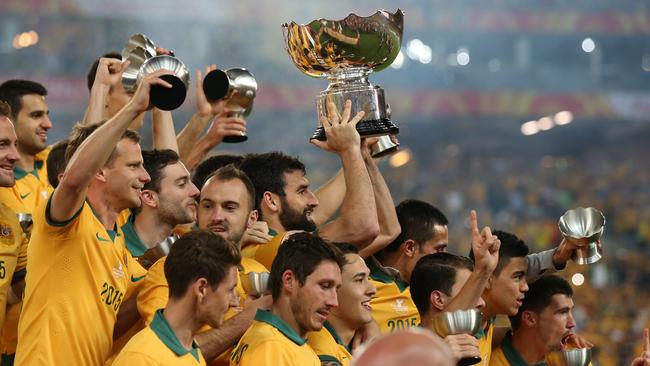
column 325, row 46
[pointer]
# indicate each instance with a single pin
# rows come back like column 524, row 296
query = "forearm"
column 330, row 197
column 126, row 317
column 389, row 227
column 164, row 135
column 187, row 138
column 96, row 104
column 200, row 149
column 216, row 341
column 469, row 295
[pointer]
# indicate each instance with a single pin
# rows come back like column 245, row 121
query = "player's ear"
column 289, row 280
column 409, row 248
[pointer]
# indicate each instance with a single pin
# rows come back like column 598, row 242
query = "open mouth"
column 218, row 229
column 366, row 305
column 323, row 314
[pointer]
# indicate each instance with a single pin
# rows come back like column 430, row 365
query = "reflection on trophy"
column 459, row 322
column 160, row 250
column 573, row 357
column 255, row 284
column 236, row 84
column 25, row 220
column 141, row 52
column 583, row 227
column 346, row 52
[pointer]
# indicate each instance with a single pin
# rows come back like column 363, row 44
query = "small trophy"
column 459, row 322
column 25, row 220
column 346, row 52
column 152, row 255
column 255, row 284
column 573, row 357
column 141, row 51
column 583, row 227
column 239, row 85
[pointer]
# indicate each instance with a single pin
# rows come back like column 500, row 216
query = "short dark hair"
column 267, row 172
column 539, row 296
column 93, row 68
column 301, row 253
column 346, row 248
column 154, row 163
column 5, row 109
column 417, row 219
column 199, row 254
column 56, row 162
column 433, row 272
column 81, row 132
column 511, row 247
column 230, row 172
column 12, row 91
column 210, row 165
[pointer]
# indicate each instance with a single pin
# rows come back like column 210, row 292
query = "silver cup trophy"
column 25, row 220
column 573, row 357
column 583, row 227
column 346, row 52
column 141, row 52
column 160, row 250
column 255, row 284
column 459, row 322
column 239, row 86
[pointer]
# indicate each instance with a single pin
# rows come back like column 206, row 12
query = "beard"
column 295, row 219
column 175, row 214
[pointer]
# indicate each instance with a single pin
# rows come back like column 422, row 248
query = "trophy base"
column 368, row 128
column 235, row 138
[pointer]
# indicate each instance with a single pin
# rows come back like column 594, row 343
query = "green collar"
column 513, row 357
column 19, row 173
column 268, row 317
column 378, row 273
column 133, row 243
column 111, row 233
column 481, row 332
column 272, row 232
column 166, row 334
column 335, row 335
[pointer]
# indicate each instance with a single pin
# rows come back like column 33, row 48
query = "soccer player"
column 542, row 324
column 201, row 270
column 332, row 342
column 304, row 277
column 78, row 264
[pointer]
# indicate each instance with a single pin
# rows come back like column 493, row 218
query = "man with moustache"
column 226, row 209
column 332, row 342
column 304, row 278
column 201, row 270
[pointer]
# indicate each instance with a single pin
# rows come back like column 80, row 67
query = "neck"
column 104, row 210
column 282, row 309
column 395, row 260
column 181, row 319
column 426, row 320
column 150, row 230
column 343, row 329
column 273, row 221
column 527, row 344
column 26, row 161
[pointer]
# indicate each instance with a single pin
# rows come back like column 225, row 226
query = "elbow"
column 368, row 231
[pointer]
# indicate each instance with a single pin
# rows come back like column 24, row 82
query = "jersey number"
column 111, row 296
column 3, row 270
column 402, row 324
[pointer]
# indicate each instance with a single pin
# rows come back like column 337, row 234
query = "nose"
column 524, row 286
column 480, row 304
column 312, row 200
column 571, row 321
column 217, row 214
column 12, row 155
column 144, row 176
column 332, row 301
column 46, row 123
column 371, row 290
column 194, row 192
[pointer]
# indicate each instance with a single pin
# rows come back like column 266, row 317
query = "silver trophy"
column 255, row 284
column 573, row 357
column 25, row 220
column 161, row 249
column 459, row 322
column 141, row 52
column 236, row 84
column 583, row 227
column 346, row 52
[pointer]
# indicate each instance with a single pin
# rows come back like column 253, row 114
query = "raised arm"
column 357, row 223
column 94, row 152
column 164, row 135
column 485, row 247
column 389, row 227
column 109, row 73
column 330, row 197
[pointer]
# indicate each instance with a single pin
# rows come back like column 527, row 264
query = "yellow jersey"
column 484, row 337
column 392, row 306
column 157, row 345
column 31, row 188
column 270, row 340
column 78, row 275
column 264, row 253
column 329, row 347
column 507, row 355
column 13, row 255
column 155, row 293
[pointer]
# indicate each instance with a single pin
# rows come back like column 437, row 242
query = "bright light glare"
column 418, row 51
column 399, row 61
column 545, row 123
column 462, row 57
column 563, row 118
column 588, row 45
column 529, row 128
column 400, row 158
column 578, row 279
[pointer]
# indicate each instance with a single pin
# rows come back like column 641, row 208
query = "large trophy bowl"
column 583, row 227
column 255, row 284
column 346, row 52
column 459, row 322
column 573, row 357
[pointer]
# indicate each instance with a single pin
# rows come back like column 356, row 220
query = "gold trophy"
column 346, row 52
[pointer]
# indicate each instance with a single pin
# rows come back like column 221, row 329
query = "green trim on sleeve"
column 65, row 223
column 328, row 358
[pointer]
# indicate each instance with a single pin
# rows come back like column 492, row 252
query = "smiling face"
column 8, row 152
column 298, row 203
column 355, row 293
column 312, row 302
column 32, row 124
column 125, row 175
